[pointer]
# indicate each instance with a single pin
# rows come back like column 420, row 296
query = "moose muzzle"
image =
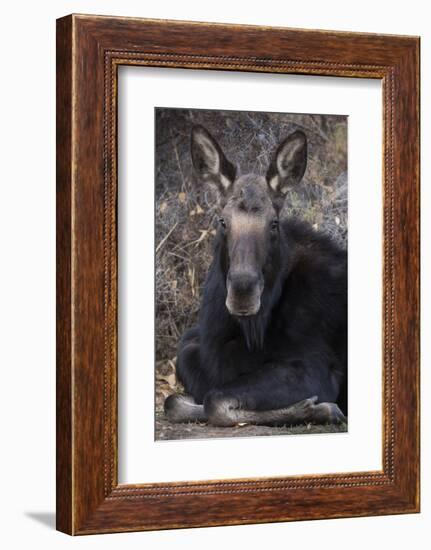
column 244, row 290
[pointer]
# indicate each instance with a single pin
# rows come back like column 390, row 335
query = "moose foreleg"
column 223, row 410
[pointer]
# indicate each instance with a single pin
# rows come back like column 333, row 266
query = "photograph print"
column 251, row 273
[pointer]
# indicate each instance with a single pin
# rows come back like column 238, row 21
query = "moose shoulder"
column 270, row 346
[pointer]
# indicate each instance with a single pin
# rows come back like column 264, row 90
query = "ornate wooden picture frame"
column 89, row 51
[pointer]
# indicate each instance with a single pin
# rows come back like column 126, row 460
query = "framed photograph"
column 237, row 274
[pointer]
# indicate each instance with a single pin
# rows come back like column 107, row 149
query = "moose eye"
column 274, row 225
column 222, row 222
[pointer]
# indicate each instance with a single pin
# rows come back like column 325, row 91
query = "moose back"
column 270, row 346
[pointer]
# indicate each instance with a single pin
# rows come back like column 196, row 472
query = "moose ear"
column 289, row 163
column 209, row 160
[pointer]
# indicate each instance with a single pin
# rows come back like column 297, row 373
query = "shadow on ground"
column 45, row 518
column 165, row 430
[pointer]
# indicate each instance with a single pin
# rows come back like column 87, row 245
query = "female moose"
column 270, row 346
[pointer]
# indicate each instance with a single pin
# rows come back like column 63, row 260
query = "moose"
column 270, row 346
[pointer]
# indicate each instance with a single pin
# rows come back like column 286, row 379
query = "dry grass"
column 186, row 212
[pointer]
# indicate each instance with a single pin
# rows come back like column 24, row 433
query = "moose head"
column 249, row 217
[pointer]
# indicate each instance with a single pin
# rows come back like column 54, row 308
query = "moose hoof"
column 328, row 413
column 178, row 407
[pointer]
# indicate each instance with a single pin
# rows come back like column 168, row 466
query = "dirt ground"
column 167, row 431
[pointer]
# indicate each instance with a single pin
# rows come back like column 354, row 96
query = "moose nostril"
column 243, row 283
